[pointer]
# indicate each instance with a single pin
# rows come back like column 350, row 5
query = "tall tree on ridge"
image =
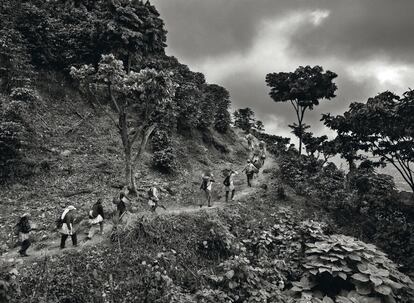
column 303, row 88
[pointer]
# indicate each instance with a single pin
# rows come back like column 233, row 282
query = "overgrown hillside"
column 90, row 105
column 59, row 144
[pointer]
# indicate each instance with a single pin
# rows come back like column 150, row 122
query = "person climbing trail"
column 96, row 217
column 263, row 152
column 250, row 170
column 121, row 205
column 250, row 141
column 255, row 160
column 229, row 184
column 67, row 218
column 23, row 229
column 206, row 186
column 153, row 198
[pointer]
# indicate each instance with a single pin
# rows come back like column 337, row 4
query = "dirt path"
column 51, row 248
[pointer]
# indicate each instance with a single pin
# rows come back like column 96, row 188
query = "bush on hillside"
column 364, row 196
column 342, row 268
column 24, row 94
column 165, row 156
column 238, row 280
column 370, row 186
column 15, row 136
column 165, row 160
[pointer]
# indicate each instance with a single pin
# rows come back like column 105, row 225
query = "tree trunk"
column 128, row 169
column 144, row 140
column 300, row 142
column 123, row 129
column 146, row 134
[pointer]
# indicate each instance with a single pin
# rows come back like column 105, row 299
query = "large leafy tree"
column 216, row 103
column 15, row 66
column 130, row 30
column 244, row 119
column 383, row 126
column 134, row 102
column 303, row 88
column 62, row 33
column 313, row 145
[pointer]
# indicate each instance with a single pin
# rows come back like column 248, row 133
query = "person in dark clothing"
column 121, row 207
column 250, row 170
column 23, row 229
column 67, row 229
column 96, row 216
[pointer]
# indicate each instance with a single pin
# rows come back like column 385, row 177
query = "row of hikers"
column 254, row 164
column 65, row 224
column 96, row 215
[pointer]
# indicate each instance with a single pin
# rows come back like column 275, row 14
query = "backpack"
column 150, row 193
column 226, row 181
column 204, row 183
column 59, row 223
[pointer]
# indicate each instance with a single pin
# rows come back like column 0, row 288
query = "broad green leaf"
column 360, row 277
column 383, row 289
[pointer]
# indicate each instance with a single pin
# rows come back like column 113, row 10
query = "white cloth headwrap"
column 67, row 209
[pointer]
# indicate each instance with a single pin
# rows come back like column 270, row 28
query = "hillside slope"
column 77, row 158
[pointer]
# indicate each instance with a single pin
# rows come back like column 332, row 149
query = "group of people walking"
column 255, row 162
column 96, row 214
column 65, row 224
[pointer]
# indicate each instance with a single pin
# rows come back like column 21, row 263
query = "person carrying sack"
column 96, row 217
column 263, row 152
column 206, row 186
column 153, row 198
column 250, row 141
column 229, row 184
column 250, row 170
column 23, row 229
column 121, row 205
column 67, row 219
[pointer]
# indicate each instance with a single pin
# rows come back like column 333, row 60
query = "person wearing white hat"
column 23, row 229
column 67, row 229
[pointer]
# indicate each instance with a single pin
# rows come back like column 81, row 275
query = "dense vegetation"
column 112, row 48
column 108, row 55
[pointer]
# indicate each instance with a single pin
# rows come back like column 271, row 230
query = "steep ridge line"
column 51, row 248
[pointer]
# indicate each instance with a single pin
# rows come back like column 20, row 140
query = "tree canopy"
column 131, row 100
column 245, row 120
column 384, row 126
column 303, row 88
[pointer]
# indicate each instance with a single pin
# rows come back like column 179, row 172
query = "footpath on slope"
column 50, row 248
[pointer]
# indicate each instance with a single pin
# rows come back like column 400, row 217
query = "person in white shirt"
column 154, row 198
column 229, row 184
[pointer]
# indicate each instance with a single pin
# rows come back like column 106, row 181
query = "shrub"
column 370, row 186
column 24, row 94
column 338, row 265
column 160, row 140
column 165, row 160
column 164, row 157
column 4, row 291
column 241, row 281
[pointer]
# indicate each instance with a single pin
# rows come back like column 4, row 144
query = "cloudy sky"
column 235, row 43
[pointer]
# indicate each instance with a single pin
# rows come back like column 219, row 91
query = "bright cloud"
column 270, row 48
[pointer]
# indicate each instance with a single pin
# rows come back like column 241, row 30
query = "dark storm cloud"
column 200, row 28
column 358, row 30
column 235, row 43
